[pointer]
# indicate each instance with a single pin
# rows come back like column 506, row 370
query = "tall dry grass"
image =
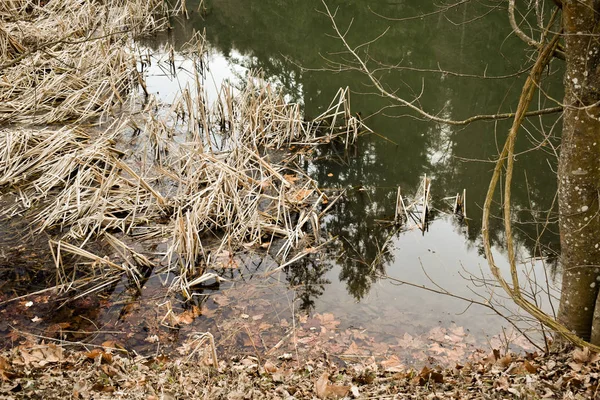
column 70, row 60
column 205, row 178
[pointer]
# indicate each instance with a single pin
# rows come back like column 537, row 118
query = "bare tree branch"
column 385, row 93
column 522, row 35
column 544, row 57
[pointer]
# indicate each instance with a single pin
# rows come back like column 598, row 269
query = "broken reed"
column 202, row 177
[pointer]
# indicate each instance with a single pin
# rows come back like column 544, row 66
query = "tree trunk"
column 579, row 172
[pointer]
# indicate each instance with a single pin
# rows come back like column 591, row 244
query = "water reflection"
column 281, row 37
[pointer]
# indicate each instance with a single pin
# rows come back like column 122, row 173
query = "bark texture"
column 579, row 171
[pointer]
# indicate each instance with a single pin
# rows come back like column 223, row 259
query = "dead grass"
column 66, row 60
column 208, row 178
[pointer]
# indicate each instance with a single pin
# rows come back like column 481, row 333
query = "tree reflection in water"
column 281, row 37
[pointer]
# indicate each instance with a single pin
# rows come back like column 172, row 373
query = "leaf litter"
column 46, row 371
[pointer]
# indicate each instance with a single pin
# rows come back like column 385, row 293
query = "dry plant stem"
column 507, row 154
column 379, row 86
column 82, row 75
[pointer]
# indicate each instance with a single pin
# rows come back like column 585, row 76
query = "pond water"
column 293, row 43
column 440, row 61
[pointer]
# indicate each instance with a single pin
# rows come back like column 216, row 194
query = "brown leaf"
column 321, row 385
column 410, row 342
column 270, row 367
column 327, row 320
column 186, row 317
column 107, row 358
column 496, row 354
column 549, row 394
column 41, row 355
column 94, row 354
column 505, row 361
column 393, row 364
column 337, row 391
column 502, row 383
column 208, row 313
column 13, row 335
column 302, row 194
column 52, row 329
column 427, row 374
column 324, row 390
column 353, row 349
column 581, row 355
column 220, row 300
column 112, row 344
column 530, row 368
column 577, row 367
column 290, row 178
column 5, row 369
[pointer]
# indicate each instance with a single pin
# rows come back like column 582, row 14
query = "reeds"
column 418, row 209
column 67, row 60
column 208, row 178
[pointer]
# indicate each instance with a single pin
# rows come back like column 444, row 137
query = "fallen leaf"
column 302, row 194
column 291, row 178
column 41, row 355
column 220, row 300
column 501, row 383
column 321, row 385
column 393, row 364
column 270, row 367
column 505, row 361
column 577, row 367
column 186, row 317
column 353, row 349
column 427, row 374
column 581, row 355
column 410, row 342
column 530, row 368
column 327, row 320
column 337, row 391
column 324, row 390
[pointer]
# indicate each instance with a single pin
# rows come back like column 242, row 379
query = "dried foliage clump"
column 206, row 176
column 67, row 60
